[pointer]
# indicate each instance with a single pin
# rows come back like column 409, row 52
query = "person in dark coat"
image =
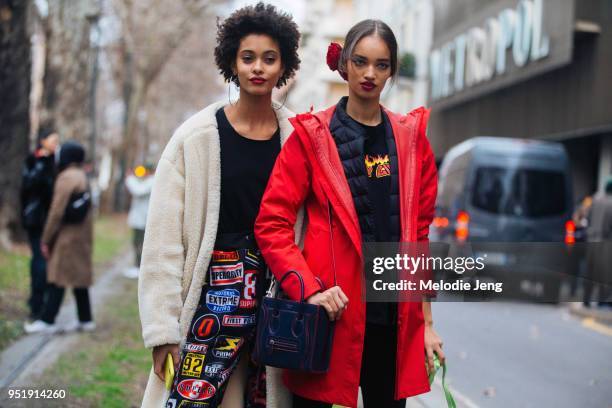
column 67, row 244
column 38, row 176
column 599, row 258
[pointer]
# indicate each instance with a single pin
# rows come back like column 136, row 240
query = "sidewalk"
column 32, row 354
column 602, row 315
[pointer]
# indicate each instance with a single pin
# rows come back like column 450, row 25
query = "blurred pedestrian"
column 38, row 176
column 581, row 214
column 599, row 258
column 202, row 276
column 577, row 258
column 67, row 242
column 139, row 186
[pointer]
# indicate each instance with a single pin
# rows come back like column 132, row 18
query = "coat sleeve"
column 163, row 257
column 64, row 186
column 428, row 185
column 289, row 184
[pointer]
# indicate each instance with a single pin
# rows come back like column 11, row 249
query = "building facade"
column 535, row 69
column 315, row 85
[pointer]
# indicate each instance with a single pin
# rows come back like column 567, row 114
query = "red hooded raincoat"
column 308, row 173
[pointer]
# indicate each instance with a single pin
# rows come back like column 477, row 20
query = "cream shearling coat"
column 179, row 239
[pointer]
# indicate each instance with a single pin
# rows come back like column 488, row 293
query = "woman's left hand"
column 433, row 343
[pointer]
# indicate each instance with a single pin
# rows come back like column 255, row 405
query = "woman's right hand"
column 333, row 300
column 159, row 359
column 44, row 249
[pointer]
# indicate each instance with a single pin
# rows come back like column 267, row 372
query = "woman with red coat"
column 363, row 174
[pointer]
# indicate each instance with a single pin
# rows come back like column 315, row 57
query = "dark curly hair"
column 259, row 19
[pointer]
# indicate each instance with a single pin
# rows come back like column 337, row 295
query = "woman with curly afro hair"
column 202, row 275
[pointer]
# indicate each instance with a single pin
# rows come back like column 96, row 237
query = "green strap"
column 449, row 397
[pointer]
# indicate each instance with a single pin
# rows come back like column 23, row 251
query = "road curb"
column 601, row 315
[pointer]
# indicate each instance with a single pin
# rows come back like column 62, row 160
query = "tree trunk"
column 15, row 70
column 127, row 154
column 136, row 103
column 65, row 102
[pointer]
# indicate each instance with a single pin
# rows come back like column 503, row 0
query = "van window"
column 452, row 184
column 489, row 189
column 520, row 192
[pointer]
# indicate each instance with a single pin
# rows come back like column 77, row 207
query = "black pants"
column 377, row 379
column 38, row 275
column 138, row 240
column 55, row 295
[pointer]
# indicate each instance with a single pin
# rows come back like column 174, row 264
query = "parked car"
column 510, row 192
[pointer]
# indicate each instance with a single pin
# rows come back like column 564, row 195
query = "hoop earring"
column 229, row 91
column 387, row 89
column 283, row 104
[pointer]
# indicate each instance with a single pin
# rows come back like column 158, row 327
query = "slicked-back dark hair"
column 259, row 19
column 43, row 133
column 363, row 29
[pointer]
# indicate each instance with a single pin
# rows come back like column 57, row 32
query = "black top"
column 378, row 169
column 246, row 165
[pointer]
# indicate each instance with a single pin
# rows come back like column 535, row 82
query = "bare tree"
column 15, row 65
column 152, row 30
column 188, row 83
column 66, row 99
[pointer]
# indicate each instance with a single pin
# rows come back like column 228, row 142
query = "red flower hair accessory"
column 333, row 57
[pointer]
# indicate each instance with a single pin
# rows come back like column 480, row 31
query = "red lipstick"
column 257, row 80
column 367, row 86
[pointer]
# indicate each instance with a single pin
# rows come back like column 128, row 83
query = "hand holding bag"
column 293, row 335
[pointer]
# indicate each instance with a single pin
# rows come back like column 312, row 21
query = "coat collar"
column 206, row 120
column 206, row 117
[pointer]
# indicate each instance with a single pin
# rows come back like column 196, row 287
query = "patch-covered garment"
column 222, row 332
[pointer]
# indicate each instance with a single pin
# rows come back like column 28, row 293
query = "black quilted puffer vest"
column 350, row 139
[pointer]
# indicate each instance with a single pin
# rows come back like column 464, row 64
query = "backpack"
column 77, row 207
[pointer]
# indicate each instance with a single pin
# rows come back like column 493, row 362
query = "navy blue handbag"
column 293, row 335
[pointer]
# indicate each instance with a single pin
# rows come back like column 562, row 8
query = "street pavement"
column 523, row 356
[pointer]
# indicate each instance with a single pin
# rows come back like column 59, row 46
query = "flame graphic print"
column 378, row 163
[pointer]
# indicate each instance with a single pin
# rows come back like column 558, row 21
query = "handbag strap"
column 450, row 401
column 331, row 236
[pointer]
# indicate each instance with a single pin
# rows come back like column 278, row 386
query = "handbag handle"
column 299, row 278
